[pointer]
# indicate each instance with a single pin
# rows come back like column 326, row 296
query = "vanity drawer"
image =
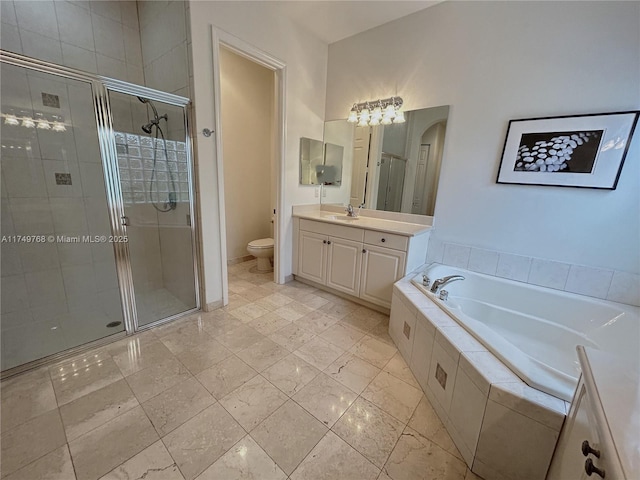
column 389, row 240
column 329, row 229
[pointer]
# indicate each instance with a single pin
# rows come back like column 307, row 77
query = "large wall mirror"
column 394, row 167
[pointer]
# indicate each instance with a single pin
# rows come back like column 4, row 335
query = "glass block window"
column 135, row 164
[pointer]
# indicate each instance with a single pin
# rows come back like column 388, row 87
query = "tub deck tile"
column 532, row 403
column 484, row 369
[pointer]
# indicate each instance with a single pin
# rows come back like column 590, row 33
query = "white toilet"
column 262, row 249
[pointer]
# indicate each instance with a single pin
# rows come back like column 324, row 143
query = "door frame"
column 222, row 39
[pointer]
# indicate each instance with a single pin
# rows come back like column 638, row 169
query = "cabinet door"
column 312, row 257
column 381, row 268
column 343, row 267
column 568, row 460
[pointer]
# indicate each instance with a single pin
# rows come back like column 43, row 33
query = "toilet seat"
column 262, row 243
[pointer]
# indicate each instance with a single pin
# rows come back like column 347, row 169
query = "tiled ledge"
column 492, row 416
column 616, row 286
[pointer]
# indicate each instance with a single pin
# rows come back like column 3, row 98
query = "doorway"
column 247, row 121
column 222, row 40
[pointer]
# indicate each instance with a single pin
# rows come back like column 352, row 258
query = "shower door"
column 59, row 283
column 154, row 175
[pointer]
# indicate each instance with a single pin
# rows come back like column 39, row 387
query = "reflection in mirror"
column 393, row 167
column 332, row 171
column 310, row 158
column 320, row 164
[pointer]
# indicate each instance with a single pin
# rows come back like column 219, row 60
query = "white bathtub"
column 535, row 330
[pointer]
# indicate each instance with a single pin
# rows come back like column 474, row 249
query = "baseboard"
column 246, row 258
column 338, row 293
column 210, row 307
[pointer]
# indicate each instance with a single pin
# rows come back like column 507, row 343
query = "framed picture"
column 571, row 151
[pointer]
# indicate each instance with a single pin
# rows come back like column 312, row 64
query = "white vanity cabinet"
column 599, row 438
column 568, row 460
column 357, row 261
column 381, row 268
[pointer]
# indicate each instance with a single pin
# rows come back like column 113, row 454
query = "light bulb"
column 390, row 111
column 59, row 127
column 363, row 122
column 364, row 115
column 375, row 121
column 353, row 116
column 42, row 122
column 11, row 119
column 28, row 122
column 386, row 121
column 399, row 118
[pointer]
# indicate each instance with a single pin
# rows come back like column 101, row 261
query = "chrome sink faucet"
column 441, row 282
column 351, row 212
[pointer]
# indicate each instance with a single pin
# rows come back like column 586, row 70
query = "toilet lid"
column 262, row 243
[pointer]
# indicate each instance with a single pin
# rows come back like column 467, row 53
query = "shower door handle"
column 124, row 221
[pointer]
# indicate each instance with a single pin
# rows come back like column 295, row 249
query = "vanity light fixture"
column 385, row 112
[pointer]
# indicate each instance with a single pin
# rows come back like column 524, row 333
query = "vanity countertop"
column 337, row 216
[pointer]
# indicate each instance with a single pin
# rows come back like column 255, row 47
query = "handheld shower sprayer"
column 171, row 202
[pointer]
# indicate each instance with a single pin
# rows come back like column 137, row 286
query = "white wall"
column 258, row 24
column 247, row 116
column 496, row 61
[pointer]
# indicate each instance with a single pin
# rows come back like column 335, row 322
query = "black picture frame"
column 580, row 151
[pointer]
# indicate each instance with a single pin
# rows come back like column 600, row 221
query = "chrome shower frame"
column 101, row 86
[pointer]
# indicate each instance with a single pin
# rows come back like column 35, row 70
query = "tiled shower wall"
column 616, row 286
column 164, row 35
column 99, row 37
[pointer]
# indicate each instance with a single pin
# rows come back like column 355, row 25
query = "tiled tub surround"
column 503, row 428
column 607, row 284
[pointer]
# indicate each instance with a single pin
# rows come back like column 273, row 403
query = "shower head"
column 156, row 119
column 153, row 107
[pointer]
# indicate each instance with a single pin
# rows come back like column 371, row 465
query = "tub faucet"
column 441, row 282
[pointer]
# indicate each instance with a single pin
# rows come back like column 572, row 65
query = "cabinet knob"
column 383, row 240
column 324, row 241
column 364, row 251
column 329, row 242
column 587, row 449
column 590, row 468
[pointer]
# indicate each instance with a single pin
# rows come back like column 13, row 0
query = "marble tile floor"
column 286, row 382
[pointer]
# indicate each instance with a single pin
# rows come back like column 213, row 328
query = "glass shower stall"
column 97, row 221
